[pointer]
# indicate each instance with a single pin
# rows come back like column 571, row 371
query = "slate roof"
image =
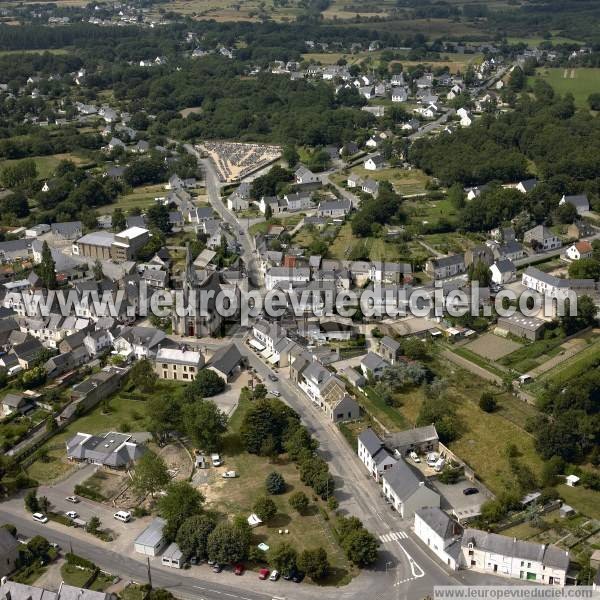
column 439, row 521
column 153, row 534
column 548, row 555
column 418, row 435
column 401, row 479
column 370, row 441
column 389, row 343
column 226, row 359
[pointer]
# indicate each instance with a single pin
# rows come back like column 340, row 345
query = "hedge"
column 79, row 561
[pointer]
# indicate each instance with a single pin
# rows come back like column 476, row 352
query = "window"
column 165, row 366
column 185, row 375
column 471, row 553
column 192, row 369
column 165, row 374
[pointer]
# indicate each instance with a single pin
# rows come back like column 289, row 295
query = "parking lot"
column 454, row 499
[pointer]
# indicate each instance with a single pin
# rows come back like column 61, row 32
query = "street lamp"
column 387, row 563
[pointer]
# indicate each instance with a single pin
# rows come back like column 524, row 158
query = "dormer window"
column 470, row 545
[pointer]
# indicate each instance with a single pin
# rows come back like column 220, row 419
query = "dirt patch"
column 492, row 347
column 106, row 483
column 177, row 460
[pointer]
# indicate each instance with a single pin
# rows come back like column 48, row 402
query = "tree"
column 585, row 268
column 314, row 563
column 594, row 101
column 142, row 375
column 275, row 483
column 480, row 273
column 205, row 424
column 93, row 525
column 46, row 270
column 151, row 474
column 291, row 156
column 39, row 547
column 31, row 501
column 298, row 501
column 118, row 220
column 265, row 508
column 158, row 217
column 180, row 502
column 225, row 545
column 487, row 402
column 205, row 385
column 268, row 212
column 98, row 272
column 361, row 547
column 192, row 536
column 284, row 558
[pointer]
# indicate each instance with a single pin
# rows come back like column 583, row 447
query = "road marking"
column 416, row 570
column 394, row 536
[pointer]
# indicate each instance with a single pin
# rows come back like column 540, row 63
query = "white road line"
column 414, row 567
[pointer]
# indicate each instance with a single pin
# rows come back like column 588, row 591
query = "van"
column 123, row 515
column 39, row 517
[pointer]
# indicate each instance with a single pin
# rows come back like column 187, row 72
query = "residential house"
column 406, row 492
column 526, row 185
column 511, row 249
column 240, row 198
column 540, row 238
column 304, row 175
column 465, row 118
column 503, row 271
column 336, row 403
column 97, row 341
column 579, row 250
column 441, row 534
column 399, row 94
column 370, row 186
column 286, row 276
column 386, row 272
column 373, row 365
column 178, row 364
column 480, row 253
column 374, row 455
column 27, row 352
column 12, row 403
column 9, row 556
column 445, row 266
column 139, row 342
column 298, row 201
column 354, row 181
column 509, row 557
column 579, row 229
column 335, row 209
column 580, row 202
column 389, row 349
column 70, row 230
column 375, row 162
column 419, row 439
column 553, row 286
column 113, row 450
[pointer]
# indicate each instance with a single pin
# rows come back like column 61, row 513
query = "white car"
column 73, row 499
column 123, row 516
column 72, row 514
column 39, row 517
column 415, row 457
column 216, row 460
column 275, row 393
column 229, row 475
column 274, row 575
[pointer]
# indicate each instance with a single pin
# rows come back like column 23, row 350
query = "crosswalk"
column 393, row 536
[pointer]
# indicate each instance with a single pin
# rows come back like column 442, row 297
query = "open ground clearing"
column 581, row 82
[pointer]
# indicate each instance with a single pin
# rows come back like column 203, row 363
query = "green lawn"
column 141, row 197
column 429, row 212
column 73, row 576
column 346, row 246
column 47, row 164
column 584, row 500
column 405, row 182
column 581, row 82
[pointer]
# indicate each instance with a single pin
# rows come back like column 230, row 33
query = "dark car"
column 470, row 491
column 273, row 377
column 298, row 577
column 217, row 568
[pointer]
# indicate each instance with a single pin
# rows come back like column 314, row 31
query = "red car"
column 238, row 569
column 263, row 573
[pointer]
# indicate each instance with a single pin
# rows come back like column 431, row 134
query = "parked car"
column 238, row 569
column 415, row 457
column 73, row 499
column 39, row 517
column 216, row 460
column 217, row 568
column 273, row 377
column 123, row 515
column 72, row 514
column 470, row 491
column 298, row 577
column 274, row 575
column 264, row 573
column 275, row 393
column 210, row 562
column 194, row 560
column 439, row 465
column 229, row 475
column 432, row 458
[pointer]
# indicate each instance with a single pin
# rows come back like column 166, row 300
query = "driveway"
column 454, row 499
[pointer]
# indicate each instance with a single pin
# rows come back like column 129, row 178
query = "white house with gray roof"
column 555, row 287
column 509, row 557
column 114, row 450
column 441, row 534
column 579, row 201
column 445, row 266
column 540, row 237
column 373, row 454
column 181, row 364
column 286, row 276
column 405, row 491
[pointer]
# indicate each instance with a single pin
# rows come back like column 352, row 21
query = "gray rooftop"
column 418, row 435
column 153, row 534
column 439, row 521
column 402, row 480
column 370, row 441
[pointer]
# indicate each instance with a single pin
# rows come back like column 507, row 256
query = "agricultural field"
column 140, row 197
column 406, row 182
column 581, row 82
column 250, row 10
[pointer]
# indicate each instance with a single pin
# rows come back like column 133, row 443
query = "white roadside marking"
column 416, row 570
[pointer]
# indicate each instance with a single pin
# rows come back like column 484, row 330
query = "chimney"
column 421, row 484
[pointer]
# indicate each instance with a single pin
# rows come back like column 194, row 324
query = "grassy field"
column 581, row 82
column 250, row 10
column 406, row 183
column 429, row 212
column 575, row 365
column 47, row 164
column 584, row 500
column 236, row 496
column 140, row 197
column 346, row 246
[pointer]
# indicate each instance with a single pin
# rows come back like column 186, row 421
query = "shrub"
column 275, row 483
column 79, row 561
column 487, row 402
